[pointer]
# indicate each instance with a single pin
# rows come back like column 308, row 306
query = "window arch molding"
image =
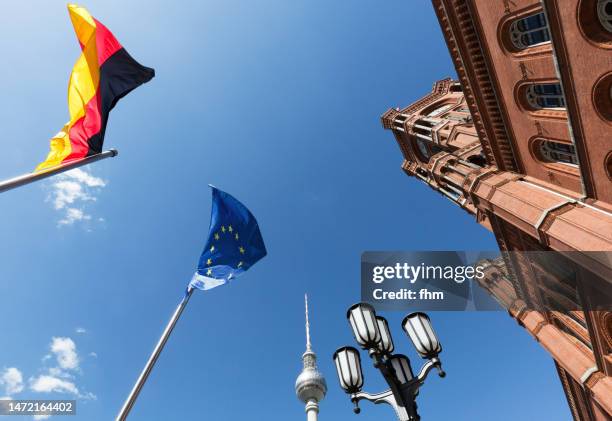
column 525, row 32
column 542, row 98
column 555, row 154
column 558, row 152
column 595, row 22
column 529, row 31
column 602, row 97
column 545, row 96
column 608, row 165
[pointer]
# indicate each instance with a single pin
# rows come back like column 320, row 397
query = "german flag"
column 103, row 74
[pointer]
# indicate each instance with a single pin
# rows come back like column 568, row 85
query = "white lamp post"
column 372, row 334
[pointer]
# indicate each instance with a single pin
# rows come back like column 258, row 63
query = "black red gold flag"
column 103, row 74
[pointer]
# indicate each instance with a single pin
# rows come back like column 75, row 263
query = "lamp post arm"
column 429, row 365
column 383, row 397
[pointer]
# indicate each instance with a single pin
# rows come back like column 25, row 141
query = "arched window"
column 427, row 149
column 529, row 31
column 545, row 95
column 595, row 21
column 423, row 149
column 479, row 160
column 604, row 13
column 563, row 153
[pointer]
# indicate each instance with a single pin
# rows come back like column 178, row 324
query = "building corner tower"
column 310, row 386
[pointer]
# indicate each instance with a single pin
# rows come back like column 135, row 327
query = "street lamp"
column 348, row 366
column 362, row 318
column 402, row 369
column 418, row 327
column 372, row 334
column 385, row 346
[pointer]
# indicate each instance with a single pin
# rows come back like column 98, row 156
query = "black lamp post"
column 372, row 334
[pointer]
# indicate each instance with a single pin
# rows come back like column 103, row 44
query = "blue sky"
column 278, row 103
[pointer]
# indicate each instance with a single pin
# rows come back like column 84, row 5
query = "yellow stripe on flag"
column 84, row 81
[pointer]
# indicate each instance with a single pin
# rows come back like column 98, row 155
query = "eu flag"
column 234, row 243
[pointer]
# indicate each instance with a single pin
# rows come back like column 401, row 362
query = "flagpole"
column 35, row 176
column 129, row 402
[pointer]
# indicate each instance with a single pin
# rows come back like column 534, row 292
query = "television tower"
column 310, row 386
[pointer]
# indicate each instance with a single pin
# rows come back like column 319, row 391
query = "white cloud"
column 73, row 215
column 60, row 378
column 41, row 417
column 67, row 192
column 85, row 178
column 12, row 380
column 88, row 396
column 55, row 371
column 58, row 372
column 46, row 384
column 80, row 330
column 93, row 355
column 70, row 191
column 65, row 353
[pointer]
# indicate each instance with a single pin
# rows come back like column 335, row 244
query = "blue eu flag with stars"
column 234, row 243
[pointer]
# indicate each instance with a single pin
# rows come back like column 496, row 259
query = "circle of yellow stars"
column 217, row 236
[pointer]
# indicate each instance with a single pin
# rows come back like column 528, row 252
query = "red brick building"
column 522, row 142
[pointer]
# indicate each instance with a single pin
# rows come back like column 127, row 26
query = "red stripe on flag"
column 106, row 43
column 84, row 128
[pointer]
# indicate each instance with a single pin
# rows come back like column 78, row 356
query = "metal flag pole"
column 129, row 402
column 29, row 178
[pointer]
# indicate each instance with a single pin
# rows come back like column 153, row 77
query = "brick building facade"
column 522, row 142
